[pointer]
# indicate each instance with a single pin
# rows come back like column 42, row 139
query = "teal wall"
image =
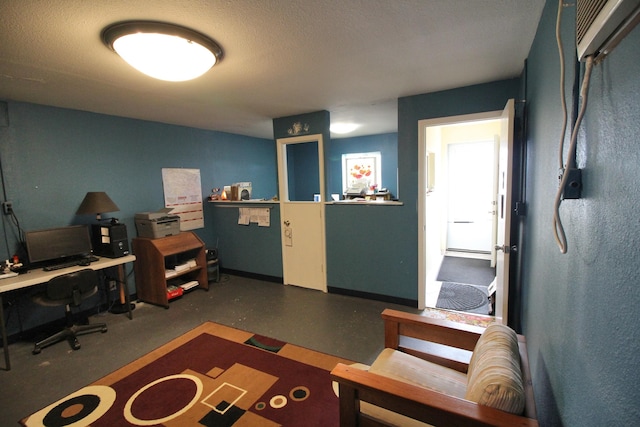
column 303, row 170
column 386, row 144
column 246, row 248
column 578, row 309
column 581, row 307
column 374, row 249
column 51, row 157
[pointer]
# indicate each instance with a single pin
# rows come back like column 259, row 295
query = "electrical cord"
column 563, row 101
column 558, row 229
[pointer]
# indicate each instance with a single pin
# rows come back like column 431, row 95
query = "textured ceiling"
column 353, row 58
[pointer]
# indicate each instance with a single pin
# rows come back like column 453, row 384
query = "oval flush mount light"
column 343, row 128
column 163, row 51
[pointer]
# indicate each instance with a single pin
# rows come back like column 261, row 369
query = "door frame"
column 426, row 186
column 283, row 187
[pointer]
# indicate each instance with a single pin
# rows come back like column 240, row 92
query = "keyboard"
column 72, row 263
column 7, row 275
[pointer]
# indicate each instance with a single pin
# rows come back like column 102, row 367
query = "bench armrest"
column 443, row 342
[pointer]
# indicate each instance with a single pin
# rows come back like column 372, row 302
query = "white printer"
column 157, row 224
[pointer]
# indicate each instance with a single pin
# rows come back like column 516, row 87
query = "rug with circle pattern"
column 212, row 376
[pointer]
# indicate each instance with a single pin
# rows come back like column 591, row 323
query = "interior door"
column 302, row 192
column 505, row 179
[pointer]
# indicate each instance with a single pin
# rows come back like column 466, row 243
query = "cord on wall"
column 566, row 169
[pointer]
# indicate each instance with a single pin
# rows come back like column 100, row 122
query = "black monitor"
column 58, row 244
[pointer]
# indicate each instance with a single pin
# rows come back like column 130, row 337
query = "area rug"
column 463, row 297
column 466, row 270
column 213, row 376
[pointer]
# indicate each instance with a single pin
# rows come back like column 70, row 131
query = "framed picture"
column 361, row 171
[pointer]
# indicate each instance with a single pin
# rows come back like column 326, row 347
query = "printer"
column 157, row 224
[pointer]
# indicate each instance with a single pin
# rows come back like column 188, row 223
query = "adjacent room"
column 272, row 238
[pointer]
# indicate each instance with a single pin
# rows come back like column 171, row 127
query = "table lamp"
column 96, row 202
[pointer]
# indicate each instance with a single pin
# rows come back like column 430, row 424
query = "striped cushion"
column 494, row 376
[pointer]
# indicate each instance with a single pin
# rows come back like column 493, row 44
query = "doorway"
column 436, row 212
column 471, row 191
column 302, row 192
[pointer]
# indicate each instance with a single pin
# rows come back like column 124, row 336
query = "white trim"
column 423, row 189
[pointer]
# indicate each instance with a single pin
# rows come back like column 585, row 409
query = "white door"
column 505, row 181
column 301, row 183
column 470, row 194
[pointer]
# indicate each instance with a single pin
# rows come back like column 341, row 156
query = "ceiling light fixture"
column 163, row 51
column 342, row 128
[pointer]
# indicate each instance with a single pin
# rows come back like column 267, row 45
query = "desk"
column 39, row 276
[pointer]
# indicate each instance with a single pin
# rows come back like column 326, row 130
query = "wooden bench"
column 442, row 342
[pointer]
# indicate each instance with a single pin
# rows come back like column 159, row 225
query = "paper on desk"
column 256, row 215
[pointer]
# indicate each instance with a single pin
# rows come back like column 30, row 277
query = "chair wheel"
column 36, row 350
column 75, row 344
column 103, row 330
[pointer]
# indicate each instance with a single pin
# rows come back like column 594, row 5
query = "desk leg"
column 125, row 298
column 5, row 340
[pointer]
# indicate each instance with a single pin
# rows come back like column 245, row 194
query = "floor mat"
column 463, row 297
column 466, row 270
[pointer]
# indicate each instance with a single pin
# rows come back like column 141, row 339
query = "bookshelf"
column 163, row 264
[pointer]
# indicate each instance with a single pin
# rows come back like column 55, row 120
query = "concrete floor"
column 344, row 326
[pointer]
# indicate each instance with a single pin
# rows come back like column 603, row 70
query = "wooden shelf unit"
column 153, row 256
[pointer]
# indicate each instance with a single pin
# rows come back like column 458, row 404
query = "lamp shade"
column 96, row 202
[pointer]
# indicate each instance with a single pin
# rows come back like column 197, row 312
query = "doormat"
column 463, row 297
column 211, row 376
column 466, row 270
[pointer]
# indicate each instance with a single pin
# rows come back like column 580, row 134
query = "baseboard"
column 249, row 275
column 376, row 297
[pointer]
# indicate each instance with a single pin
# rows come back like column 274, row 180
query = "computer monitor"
column 57, row 244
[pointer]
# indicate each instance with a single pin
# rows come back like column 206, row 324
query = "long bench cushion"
column 494, row 375
column 410, row 369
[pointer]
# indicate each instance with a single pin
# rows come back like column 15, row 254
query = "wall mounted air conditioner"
column 601, row 24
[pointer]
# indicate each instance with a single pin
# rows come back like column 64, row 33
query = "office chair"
column 69, row 290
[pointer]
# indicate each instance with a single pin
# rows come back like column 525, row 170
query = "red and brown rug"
column 213, row 376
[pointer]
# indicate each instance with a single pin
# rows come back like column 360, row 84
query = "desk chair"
column 69, row 290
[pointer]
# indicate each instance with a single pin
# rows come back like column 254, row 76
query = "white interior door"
column 301, row 180
column 505, row 182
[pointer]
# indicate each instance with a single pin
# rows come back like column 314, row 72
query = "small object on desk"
column 7, row 275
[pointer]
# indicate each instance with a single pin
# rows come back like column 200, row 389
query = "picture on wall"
column 361, row 171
